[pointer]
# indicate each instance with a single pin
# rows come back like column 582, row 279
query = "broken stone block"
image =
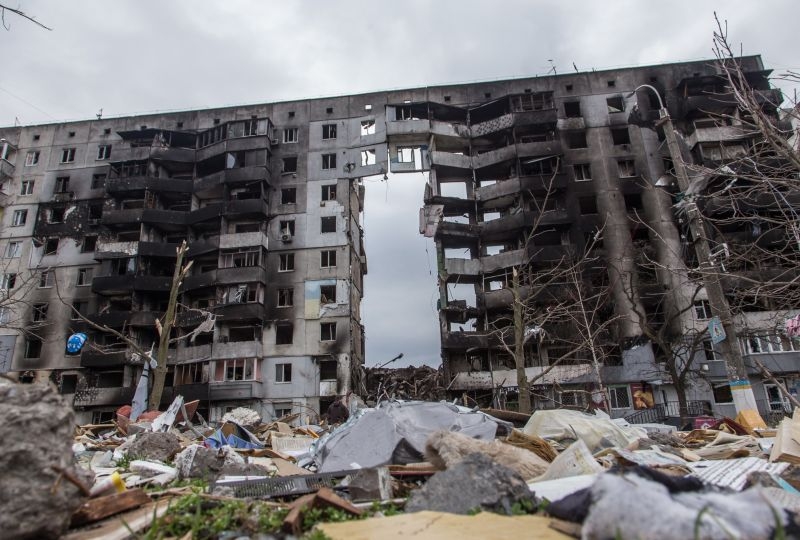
column 475, row 483
column 36, row 497
column 197, row 461
column 243, row 416
column 154, row 446
column 370, row 485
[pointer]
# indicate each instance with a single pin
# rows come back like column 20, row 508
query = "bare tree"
column 19, row 13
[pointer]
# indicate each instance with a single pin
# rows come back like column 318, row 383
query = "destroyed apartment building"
column 525, row 175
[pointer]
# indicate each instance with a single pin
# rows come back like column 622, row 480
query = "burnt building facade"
column 523, row 174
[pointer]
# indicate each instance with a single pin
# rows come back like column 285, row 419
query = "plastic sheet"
column 598, row 431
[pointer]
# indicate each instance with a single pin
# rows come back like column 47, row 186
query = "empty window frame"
column 286, row 297
column 51, row 246
column 46, row 279
column 405, row 154
column 56, row 215
column 710, row 354
column 327, row 331
column 327, row 370
column 241, row 259
column 633, row 202
column 32, row 158
column 99, row 181
column 103, row 151
column 39, row 312
column 62, row 184
column 626, row 168
column 328, row 161
column 289, row 164
column 587, row 205
column 582, row 171
column 327, row 224
column 539, row 166
column 702, row 310
column 8, row 281
column 283, row 373
column 402, row 112
column 18, row 218
column 286, row 262
column 290, row 135
column 284, row 334
column 85, row 276
column 26, row 187
column 68, row 155
column 328, row 131
column 368, row 157
column 327, row 294
column 288, row 195
column 13, row 250
column 576, row 140
column 367, row 127
column 89, row 244
column 572, row 109
column 620, row 397
column 327, row 259
column 286, row 227
column 620, row 136
column 329, row 192
column 532, row 102
column 33, row 347
column 615, row 104
column 79, row 308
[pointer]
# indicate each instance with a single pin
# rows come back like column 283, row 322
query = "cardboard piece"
column 732, row 473
column 442, row 526
column 786, row 446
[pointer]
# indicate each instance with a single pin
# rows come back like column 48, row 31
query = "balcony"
column 252, row 311
column 206, row 213
column 464, row 340
column 231, row 390
column 191, row 354
column 241, row 175
column 457, row 231
column 114, row 250
column 174, row 154
column 716, row 134
column 462, row 267
column 244, row 274
column 409, row 129
column 449, row 159
column 149, row 183
column 239, row 240
column 254, row 142
column 91, row 358
column 199, row 281
column 117, row 319
column 494, row 125
column 6, row 169
column 159, row 249
column 94, row 396
column 192, row 392
column 247, row 208
column 121, row 285
column 144, row 215
column 236, row 349
column 544, row 116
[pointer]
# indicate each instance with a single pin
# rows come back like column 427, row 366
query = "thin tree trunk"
column 519, row 347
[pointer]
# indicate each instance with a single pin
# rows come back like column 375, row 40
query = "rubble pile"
column 393, row 468
column 422, row 383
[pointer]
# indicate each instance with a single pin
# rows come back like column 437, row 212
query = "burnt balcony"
column 159, row 249
column 456, row 231
column 6, row 169
column 232, row 390
column 241, row 175
column 173, row 154
column 118, row 319
column 122, row 285
column 192, row 353
column 236, row 349
column 239, row 240
column 250, row 311
column 115, row 250
column 199, row 281
column 247, row 208
column 91, row 358
column 206, row 213
column 464, row 340
column 149, row 183
column 94, row 396
column 725, row 101
column 543, row 116
column 480, row 129
column 243, row 274
column 153, row 216
column 193, row 391
column 450, row 159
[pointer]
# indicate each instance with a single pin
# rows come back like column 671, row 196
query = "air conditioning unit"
column 286, row 238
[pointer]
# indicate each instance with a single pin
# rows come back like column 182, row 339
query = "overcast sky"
column 137, row 56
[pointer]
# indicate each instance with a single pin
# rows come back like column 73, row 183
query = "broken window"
column 62, row 184
column 98, row 181
column 67, row 155
column 239, row 369
column 51, row 246
column 627, row 168
column 8, row 281
column 13, row 249
column 402, row 113
column 283, row 373
column 123, row 267
column 95, row 211
column 46, row 279
column 284, row 333
column 532, row 102
column 56, row 215
column 583, row 172
column 19, row 217
column 329, row 192
column 327, row 259
column 286, row 262
column 288, row 195
column 241, row 259
column 327, row 294
column 328, row 131
column 103, row 151
column 328, row 224
column 26, row 188
column 327, row 370
column 587, row 205
column 619, row 396
column 285, row 297
column 572, row 109
column 710, row 354
column 368, row 157
column 615, row 104
column 611, row 84
column 702, row 310
column 367, row 127
column 32, row 158
column 577, row 139
column 405, row 154
column 85, row 276
column 89, row 244
column 39, row 313
column 290, row 135
column 290, row 164
column 722, row 392
column 33, row 347
column 620, row 136
column 328, row 161
column 633, row 201
column 79, row 308
column 540, row 166
column 287, row 226
column 327, row 331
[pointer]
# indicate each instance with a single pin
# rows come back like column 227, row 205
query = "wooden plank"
column 103, row 507
column 121, row 526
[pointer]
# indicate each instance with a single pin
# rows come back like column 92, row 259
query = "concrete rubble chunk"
column 475, row 483
column 37, row 501
column 197, row 461
column 243, row 416
column 154, row 446
column 370, row 485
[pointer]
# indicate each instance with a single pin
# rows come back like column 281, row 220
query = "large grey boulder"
column 475, row 483
column 36, row 427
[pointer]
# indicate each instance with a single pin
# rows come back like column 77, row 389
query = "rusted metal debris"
column 422, row 383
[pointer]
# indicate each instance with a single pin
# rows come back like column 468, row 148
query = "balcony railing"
column 670, row 409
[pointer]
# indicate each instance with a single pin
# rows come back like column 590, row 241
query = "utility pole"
column 743, row 398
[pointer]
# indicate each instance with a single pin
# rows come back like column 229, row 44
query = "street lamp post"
column 398, row 357
column 743, row 398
